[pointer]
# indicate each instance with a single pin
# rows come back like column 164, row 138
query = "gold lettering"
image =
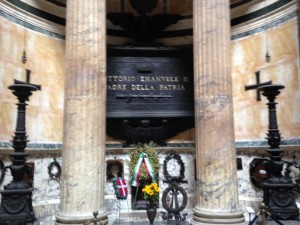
column 121, row 78
column 169, row 79
column 117, row 87
column 140, row 87
column 170, row 87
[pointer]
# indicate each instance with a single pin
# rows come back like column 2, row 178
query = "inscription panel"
column 150, row 82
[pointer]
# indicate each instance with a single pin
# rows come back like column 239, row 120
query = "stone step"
column 140, row 216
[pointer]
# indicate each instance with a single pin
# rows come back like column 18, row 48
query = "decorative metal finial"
column 268, row 57
column 24, row 58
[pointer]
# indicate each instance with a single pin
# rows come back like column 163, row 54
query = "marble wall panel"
column 45, row 59
column 251, row 116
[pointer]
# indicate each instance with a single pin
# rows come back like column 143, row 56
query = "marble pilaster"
column 217, row 193
column 83, row 157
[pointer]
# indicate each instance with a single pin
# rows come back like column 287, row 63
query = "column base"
column 202, row 217
column 80, row 220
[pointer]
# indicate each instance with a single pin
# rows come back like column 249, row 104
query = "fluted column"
column 83, row 157
column 217, row 193
column 298, row 20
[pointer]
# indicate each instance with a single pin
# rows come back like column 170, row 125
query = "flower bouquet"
column 151, row 194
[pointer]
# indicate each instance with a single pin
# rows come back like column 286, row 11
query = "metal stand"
column 278, row 191
column 170, row 198
column 263, row 213
column 16, row 203
column 119, row 211
column 172, row 206
column 95, row 221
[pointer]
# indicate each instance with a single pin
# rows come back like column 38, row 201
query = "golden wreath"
column 152, row 155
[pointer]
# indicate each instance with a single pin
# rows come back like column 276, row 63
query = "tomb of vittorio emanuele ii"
column 207, row 89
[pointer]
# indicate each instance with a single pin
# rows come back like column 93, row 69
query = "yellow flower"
column 154, row 185
column 150, row 192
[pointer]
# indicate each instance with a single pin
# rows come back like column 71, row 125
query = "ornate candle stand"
column 16, row 203
column 278, row 191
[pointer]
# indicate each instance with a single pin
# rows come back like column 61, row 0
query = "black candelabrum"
column 278, row 191
column 16, row 202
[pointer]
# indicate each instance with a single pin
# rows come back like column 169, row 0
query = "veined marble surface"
column 46, row 194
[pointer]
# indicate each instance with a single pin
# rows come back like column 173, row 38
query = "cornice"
column 248, row 17
column 267, row 20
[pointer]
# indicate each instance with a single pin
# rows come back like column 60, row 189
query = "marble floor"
column 257, row 222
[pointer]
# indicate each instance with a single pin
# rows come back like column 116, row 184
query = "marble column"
column 83, row 157
column 217, row 193
column 298, row 20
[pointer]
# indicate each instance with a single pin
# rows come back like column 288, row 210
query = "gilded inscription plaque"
column 149, row 92
column 149, row 82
